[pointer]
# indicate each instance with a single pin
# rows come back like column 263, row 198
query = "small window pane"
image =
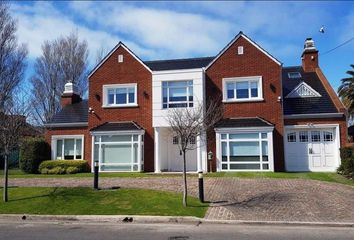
column 78, row 149
column 244, row 136
column 135, row 137
column 327, row 136
column 135, row 152
column 254, row 89
column 242, row 90
column 224, row 151
column 192, row 140
column 292, row 137
column 131, row 92
column 111, row 96
column 116, row 138
column 59, row 149
column 230, row 90
column 224, row 166
column 315, row 136
column 121, row 96
column 175, row 140
column 265, row 166
column 264, row 135
column 303, row 136
column 245, row 166
column 69, row 149
column 223, row 136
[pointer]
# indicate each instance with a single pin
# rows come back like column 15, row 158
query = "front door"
column 175, row 158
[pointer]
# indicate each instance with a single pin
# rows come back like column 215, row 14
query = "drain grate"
column 178, row 238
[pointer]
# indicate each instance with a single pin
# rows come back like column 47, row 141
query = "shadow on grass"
column 34, row 197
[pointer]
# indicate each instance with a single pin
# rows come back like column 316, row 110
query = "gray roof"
column 177, row 64
column 74, row 113
column 309, row 105
column 243, row 122
column 116, row 126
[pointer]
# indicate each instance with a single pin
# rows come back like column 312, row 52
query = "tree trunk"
column 184, row 180
column 6, row 177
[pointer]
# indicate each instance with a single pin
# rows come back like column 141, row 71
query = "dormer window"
column 294, row 75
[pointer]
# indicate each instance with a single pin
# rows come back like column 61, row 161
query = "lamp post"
column 95, row 179
column 210, row 157
column 201, row 186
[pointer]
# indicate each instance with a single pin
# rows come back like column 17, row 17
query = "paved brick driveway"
column 242, row 199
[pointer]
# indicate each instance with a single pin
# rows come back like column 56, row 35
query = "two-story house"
column 275, row 118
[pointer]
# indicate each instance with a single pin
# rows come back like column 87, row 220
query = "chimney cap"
column 69, row 88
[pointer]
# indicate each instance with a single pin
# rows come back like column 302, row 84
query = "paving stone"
column 238, row 198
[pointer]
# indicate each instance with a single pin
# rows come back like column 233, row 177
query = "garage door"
column 311, row 150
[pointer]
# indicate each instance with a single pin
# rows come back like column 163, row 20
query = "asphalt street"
column 16, row 230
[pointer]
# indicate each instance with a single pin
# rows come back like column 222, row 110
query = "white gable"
column 302, row 91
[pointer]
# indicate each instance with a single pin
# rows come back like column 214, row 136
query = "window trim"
column 55, row 138
column 188, row 102
column 106, row 88
column 225, row 81
column 259, row 130
column 140, row 151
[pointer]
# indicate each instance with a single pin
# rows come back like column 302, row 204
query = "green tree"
column 346, row 91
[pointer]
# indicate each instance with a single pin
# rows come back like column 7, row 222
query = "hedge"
column 33, row 151
column 63, row 166
column 347, row 162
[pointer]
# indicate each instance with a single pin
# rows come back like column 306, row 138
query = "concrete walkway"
column 239, row 198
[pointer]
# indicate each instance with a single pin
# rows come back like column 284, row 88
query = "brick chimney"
column 309, row 56
column 69, row 95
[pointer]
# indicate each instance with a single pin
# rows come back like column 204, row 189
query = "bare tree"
column 12, row 56
column 189, row 123
column 12, row 125
column 100, row 54
column 62, row 60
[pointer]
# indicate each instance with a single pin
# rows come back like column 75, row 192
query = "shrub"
column 347, row 164
column 33, row 151
column 63, row 166
column 72, row 170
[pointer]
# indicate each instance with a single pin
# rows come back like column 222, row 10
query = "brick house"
column 275, row 118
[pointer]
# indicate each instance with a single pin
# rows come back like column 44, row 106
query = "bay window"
column 117, row 153
column 242, row 89
column 177, row 94
column 246, row 151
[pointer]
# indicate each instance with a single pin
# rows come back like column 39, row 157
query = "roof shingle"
column 243, row 122
column 74, row 113
column 177, row 64
column 308, row 105
column 116, row 126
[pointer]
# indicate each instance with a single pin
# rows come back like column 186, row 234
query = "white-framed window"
column 119, row 153
column 68, row 147
column 177, row 94
column 175, row 140
column 292, row 137
column 303, row 136
column 245, row 151
column 120, row 95
column 242, row 89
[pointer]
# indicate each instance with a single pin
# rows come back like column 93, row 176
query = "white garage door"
column 311, row 150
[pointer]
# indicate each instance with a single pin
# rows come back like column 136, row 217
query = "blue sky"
column 162, row 30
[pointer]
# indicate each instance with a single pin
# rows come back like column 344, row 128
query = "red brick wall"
column 310, row 61
column 72, row 131
column 252, row 63
column 129, row 71
column 343, row 129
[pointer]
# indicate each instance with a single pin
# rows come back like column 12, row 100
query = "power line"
column 340, row 45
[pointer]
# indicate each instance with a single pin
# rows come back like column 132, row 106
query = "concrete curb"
column 159, row 219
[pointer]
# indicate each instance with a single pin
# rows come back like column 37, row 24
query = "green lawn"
column 325, row 176
column 85, row 201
